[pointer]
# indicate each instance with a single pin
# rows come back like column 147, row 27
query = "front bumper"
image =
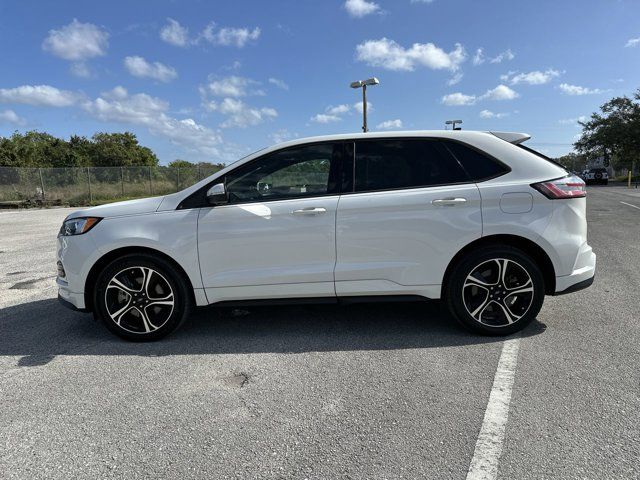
column 70, row 299
column 70, row 305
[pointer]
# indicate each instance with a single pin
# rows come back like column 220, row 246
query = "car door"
column 412, row 208
column 276, row 236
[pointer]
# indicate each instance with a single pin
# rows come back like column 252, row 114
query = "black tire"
column 464, row 295
column 605, row 182
column 117, row 286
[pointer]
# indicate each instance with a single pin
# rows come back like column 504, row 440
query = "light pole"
column 363, row 84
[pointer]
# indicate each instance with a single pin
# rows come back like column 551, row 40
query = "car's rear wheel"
column 141, row 297
column 495, row 290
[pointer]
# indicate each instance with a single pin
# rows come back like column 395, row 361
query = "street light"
column 363, row 84
column 454, row 123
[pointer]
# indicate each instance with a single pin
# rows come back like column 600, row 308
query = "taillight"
column 565, row 187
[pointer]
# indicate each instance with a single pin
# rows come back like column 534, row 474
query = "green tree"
column 120, row 150
column 573, row 161
column 614, row 132
column 178, row 163
column 39, row 149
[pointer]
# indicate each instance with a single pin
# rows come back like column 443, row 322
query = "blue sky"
column 214, row 80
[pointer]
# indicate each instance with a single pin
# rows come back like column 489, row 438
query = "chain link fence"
column 90, row 185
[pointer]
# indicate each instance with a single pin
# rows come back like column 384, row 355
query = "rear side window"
column 406, row 163
column 477, row 165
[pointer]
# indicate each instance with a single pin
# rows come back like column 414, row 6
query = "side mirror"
column 217, row 195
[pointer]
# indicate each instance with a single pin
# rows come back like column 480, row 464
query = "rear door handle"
column 310, row 211
column 448, row 202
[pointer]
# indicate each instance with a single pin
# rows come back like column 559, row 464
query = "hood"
column 117, row 209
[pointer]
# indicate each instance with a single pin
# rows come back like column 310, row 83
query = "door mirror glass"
column 217, row 195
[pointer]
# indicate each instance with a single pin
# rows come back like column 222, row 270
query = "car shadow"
column 39, row 331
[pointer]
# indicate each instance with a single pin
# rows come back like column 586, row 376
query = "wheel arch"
column 528, row 247
column 110, row 256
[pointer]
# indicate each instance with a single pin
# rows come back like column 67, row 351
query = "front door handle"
column 310, row 211
column 449, row 202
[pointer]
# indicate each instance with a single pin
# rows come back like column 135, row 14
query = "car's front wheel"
column 141, row 297
column 495, row 290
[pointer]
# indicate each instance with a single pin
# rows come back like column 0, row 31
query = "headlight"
column 78, row 226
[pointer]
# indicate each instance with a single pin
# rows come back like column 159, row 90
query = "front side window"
column 304, row 171
column 404, row 163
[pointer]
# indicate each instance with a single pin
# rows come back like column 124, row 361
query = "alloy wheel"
column 139, row 300
column 498, row 292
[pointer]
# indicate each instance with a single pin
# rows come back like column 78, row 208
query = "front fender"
column 173, row 233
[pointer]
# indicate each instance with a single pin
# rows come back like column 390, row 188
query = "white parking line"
column 634, row 206
column 484, row 464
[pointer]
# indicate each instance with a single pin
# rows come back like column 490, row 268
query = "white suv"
column 474, row 218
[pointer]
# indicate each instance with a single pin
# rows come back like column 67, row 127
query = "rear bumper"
column 581, row 277
column 577, row 286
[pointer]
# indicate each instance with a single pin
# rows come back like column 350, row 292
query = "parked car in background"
column 473, row 218
column 596, row 176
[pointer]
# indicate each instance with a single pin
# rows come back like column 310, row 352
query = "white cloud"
column 39, row 95
column 390, row 124
column 360, row 8
column 229, row 36
column 325, row 118
column 232, row 86
column 80, row 69
column 455, row 79
column 118, row 105
column 421, row 1
column 234, row 66
column 10, row 117
column 478, row 58
column 144, row 110
column 358, row 107
column 535, row 77
column 335, row 113
column 77, row 41
column 139, row 67
column 388, row 54
column 338, row 109
column 282, row 135
column 501, row 92
column 178, row 35
column 504, row 56
column 573, row 121
column 239, row 114
column 633, row 42
column 458, row 99
column 568, row 89
column 175, row 34
column 278, row 83
column 490, row 114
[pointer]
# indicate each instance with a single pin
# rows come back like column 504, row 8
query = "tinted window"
column 477, row 165
column 296, row 172
column 408, row 163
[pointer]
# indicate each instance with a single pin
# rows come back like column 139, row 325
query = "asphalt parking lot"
column 362, row 391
